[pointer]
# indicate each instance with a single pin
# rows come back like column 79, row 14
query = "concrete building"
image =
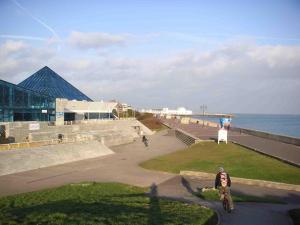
column 67, row 110
column 46, row 96
column 165, row 111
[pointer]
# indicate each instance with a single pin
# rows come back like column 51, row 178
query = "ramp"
column 14, row 161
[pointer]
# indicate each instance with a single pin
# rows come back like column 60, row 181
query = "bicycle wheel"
column 226, row 205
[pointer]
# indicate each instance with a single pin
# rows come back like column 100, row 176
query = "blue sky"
column 234, row 56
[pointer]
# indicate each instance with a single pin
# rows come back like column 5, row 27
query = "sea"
column 287, row 125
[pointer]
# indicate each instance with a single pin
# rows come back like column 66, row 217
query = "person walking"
column 223, row 184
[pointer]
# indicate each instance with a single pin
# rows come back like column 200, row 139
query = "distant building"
column 166, row 111
column 121, row 107
column 45, row 96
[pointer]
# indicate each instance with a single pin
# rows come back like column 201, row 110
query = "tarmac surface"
column 123, row 167
column 286, row 152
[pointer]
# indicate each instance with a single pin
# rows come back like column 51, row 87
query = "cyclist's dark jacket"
column 218, row 180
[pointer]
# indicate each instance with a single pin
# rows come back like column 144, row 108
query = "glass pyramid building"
column 49, row 83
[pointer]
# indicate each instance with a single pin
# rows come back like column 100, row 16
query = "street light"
column 203, row 108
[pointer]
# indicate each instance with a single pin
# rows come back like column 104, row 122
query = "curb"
column 260, row 183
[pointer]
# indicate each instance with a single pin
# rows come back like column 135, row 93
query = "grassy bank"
column 151, row 122
column 98, row 203
column 238, row 161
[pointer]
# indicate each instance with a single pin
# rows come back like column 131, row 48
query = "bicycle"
column 146, row 143
column 225, row 202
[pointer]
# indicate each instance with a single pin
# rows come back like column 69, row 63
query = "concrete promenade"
column 120, row 167
column 123, row 167
column 286, row 152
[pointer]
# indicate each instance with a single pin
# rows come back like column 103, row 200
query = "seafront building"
column 45, row 109
column 46, row 96
column 165, row 111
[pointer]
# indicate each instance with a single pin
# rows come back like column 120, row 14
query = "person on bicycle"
column 145, row 140
column 223, row 184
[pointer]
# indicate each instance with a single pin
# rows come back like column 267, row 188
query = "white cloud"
column 234, row 78
column 10, row 47
column 18, row 60
column 95, row 40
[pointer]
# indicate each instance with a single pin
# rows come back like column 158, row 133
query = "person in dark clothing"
column 223, row 184
column 145, row 140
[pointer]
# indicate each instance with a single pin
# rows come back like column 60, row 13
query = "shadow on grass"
column 187, row 185
column 108, row 210
column 72, row 211
column 155, row 216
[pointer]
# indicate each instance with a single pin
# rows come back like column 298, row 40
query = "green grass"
column 237, row 161
column 99, row 203
column 213, row 195
column 161, row 128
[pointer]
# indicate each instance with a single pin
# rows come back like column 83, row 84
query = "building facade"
column 166, row 111
column 21, row 104
column 82, row 110
column 45, row 96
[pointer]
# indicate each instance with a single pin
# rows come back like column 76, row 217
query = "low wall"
column 15, row 161
column 261, row 183
column 204, row 122
column 275, row 137
column 110, row 132
column 185, row 137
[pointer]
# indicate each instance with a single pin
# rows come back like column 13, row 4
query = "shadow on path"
column 187, row 185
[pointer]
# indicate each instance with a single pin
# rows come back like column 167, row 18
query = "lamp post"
column 203, row 108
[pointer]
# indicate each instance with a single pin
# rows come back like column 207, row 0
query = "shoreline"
column 281, row 126
column 263, row 134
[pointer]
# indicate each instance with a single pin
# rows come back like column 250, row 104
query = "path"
column 120, row 167
column 244, row 213
column 283, row 151
column 123, row 167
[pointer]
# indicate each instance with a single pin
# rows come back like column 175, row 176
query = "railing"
column 275, row 137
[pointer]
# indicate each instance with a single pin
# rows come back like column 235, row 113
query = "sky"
column 232, row 56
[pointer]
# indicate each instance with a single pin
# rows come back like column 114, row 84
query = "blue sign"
column 225, row 121
column 59, row 114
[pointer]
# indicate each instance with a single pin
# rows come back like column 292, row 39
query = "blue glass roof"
column 47, row 82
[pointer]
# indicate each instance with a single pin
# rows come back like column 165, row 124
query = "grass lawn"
column 99, row 203
column 237, row 161
column 151, row 122
column 213, row 195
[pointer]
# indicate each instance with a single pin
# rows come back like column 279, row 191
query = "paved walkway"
column 120, row 167
column 283, row 151
column 123, row 167
column 244, row 213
